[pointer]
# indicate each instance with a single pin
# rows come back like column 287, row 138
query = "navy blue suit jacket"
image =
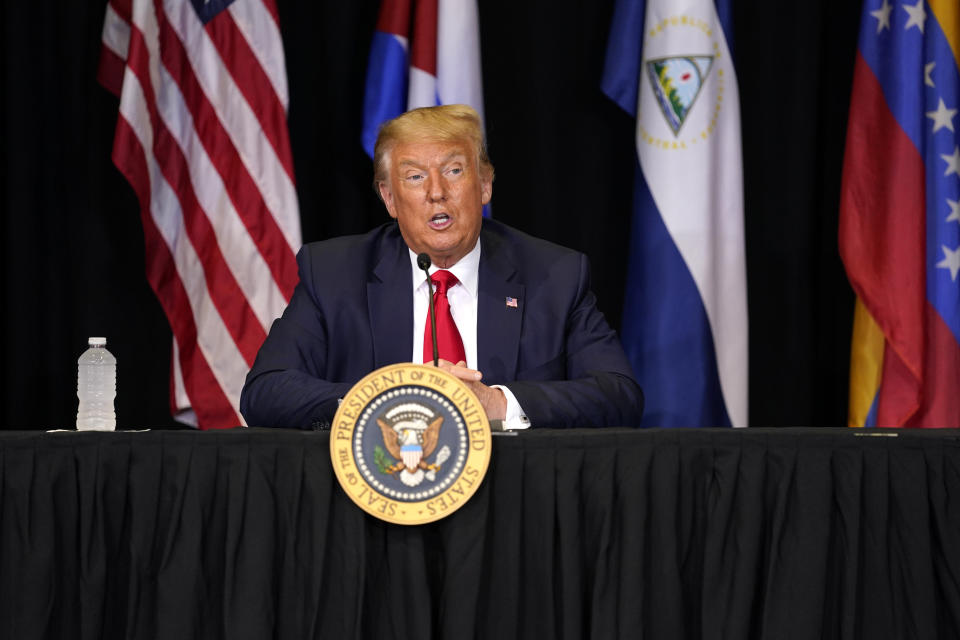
column 352, row 312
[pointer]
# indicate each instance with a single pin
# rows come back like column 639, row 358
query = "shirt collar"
column 467, row 270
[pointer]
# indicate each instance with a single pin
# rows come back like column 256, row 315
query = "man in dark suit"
column 532, row 344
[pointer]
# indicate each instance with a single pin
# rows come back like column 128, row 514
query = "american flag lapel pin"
column 511, row 302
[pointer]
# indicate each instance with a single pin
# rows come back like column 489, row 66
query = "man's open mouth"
column 439, row 221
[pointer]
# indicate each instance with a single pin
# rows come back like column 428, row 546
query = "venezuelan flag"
column 900, row 215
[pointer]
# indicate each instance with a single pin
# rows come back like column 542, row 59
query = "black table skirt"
column 779, row 533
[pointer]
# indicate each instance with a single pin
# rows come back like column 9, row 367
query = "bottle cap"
column 97, row 342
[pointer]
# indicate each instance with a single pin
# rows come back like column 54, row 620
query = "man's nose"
column 436, row 189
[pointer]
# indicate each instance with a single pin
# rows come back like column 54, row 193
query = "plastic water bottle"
column 96, row 387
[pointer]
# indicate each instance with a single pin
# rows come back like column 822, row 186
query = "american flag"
column 202, row 138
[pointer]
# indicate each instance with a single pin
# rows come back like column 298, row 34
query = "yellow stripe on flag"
column 866, row 364
column 947, row 13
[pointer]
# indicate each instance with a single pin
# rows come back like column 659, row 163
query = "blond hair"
column 446, row 123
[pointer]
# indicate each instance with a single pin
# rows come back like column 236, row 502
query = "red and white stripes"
column 202, row 138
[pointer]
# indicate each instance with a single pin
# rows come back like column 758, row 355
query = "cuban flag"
column 900, row 215
column 684, row 329
column 424, row 53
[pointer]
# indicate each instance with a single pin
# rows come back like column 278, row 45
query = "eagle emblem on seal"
column 410, row 434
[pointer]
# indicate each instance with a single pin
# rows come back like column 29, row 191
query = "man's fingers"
column 461, row 370
column 493, row 400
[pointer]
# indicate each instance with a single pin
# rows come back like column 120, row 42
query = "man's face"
column 436, row 193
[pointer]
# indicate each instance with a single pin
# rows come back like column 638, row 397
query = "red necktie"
column 449, row 343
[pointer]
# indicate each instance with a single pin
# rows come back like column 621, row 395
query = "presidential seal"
column 410, row 444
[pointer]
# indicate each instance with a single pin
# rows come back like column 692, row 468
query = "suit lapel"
column 390, row 303
column 498, row 322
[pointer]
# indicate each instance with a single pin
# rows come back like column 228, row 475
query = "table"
column 586, row 533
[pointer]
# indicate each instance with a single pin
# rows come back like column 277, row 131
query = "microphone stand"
column 423, row 261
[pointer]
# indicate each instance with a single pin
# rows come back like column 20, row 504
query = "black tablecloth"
column 780, row 533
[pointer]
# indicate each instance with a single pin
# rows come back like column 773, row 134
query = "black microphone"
column 423, row 261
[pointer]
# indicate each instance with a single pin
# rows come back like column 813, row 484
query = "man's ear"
column 486, row 190
column 387, row 196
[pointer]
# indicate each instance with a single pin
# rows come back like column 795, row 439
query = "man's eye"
column 456, row 171
column 415, row 177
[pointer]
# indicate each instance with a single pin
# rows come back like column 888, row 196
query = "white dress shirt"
column 463, row 307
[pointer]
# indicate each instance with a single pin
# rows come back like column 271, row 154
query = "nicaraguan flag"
column 424, row 53
column 685, row 313
column 900, row 215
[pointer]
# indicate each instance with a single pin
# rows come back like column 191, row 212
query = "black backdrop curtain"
column 72, row 246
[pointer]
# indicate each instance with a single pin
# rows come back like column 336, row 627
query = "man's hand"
column 492, row 400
